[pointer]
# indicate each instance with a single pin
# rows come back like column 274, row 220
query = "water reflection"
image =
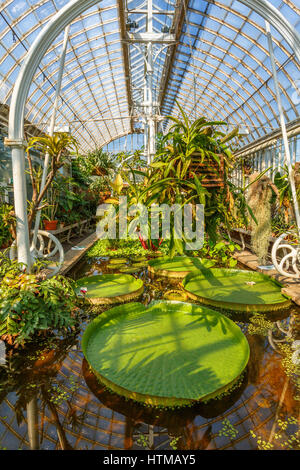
column 50, row 399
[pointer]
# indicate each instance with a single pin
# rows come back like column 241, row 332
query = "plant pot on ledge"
column 50, row 224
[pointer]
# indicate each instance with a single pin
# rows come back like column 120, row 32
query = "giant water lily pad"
column 237, row 290
column 110, row 288
column 169, row 353
column 177, row 267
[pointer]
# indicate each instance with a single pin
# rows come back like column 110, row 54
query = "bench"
column 67, row 232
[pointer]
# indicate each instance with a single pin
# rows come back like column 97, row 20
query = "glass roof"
column 218, row 67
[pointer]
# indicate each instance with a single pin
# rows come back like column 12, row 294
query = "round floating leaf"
column 130, row 269
column 115, row 267
column 110, row 288
column 138, row 259
column 140, row 265
column 235, row 289
column 175, row 294
column 177, row 267
column 169, row 353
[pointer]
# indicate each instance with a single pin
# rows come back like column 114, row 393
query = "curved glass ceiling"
column 218, row 67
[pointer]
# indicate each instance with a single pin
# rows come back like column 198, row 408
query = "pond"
column 50, row 398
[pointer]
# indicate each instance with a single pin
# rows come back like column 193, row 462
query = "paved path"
column 73, row 256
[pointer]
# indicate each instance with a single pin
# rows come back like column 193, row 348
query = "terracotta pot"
column 213, row 172
column 50, row 224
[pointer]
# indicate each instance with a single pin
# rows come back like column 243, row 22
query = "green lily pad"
column 140, row 265
column 176, row 295
column 115, row 267
column 130, row 269
column 177, row 267
column 166, row 354
column 110, row 288
column 118, row 261
column 138, row 259
column 237, row 290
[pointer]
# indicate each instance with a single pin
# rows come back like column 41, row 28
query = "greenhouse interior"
column 149, row 216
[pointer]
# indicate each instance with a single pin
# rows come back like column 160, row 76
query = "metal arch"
column 252, row 56
column 245, row 52
column 270, row 13
column 32, row 59
column 239, row 73
column 86, row 15
column 234, row 91
column 215, row 94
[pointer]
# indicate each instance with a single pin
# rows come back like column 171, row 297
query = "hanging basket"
column 212, row 172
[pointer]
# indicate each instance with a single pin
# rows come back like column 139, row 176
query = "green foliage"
column 143, row 441
column 96, row 162
column 29, row 304
column 228, row 430
column 291, row 369
column 185, row 138
column 284, row 438
column 120, row 248
column 221, row 253
column 260, row 325
column 7, row 224
column 174, row 441
column 59, row 148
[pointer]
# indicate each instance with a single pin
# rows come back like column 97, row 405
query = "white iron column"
column 52, row 124
column 20, row 198
column 288, row 159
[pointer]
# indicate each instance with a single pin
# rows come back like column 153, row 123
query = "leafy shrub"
column 120, row 248
column 220, row 252
column 29, row 303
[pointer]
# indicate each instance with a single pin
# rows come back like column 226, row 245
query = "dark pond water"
column 49, row 399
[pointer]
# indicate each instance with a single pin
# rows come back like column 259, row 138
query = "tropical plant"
column 184, row 138
column 120, row 248
column 59, row 147
column 171, row 181
column 96, row 162
column 99, row 184
column 7, row 224
column 282, row 182
column 29, row 303
column 221, row 253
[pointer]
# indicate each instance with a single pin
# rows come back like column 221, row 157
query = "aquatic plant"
column 281, row 439
column 228, row 429
column 260, row 325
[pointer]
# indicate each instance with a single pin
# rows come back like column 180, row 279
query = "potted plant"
column 58, row 147
column 100, row 188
